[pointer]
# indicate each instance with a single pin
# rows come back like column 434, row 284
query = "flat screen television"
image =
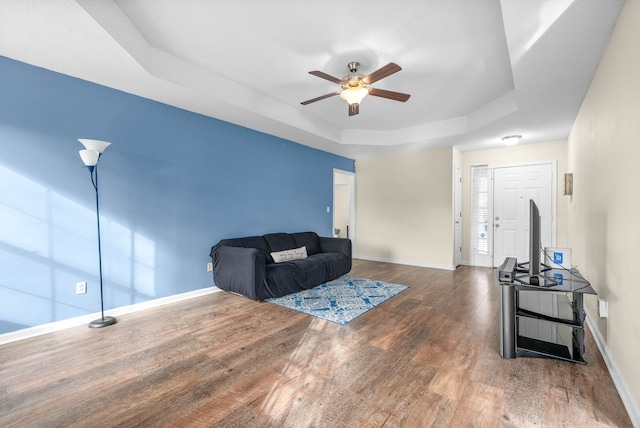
column 534, row 240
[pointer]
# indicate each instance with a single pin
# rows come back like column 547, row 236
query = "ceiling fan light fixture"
column 355, row 86
column 354, row 95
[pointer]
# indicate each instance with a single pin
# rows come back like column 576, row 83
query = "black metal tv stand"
column 570, row 286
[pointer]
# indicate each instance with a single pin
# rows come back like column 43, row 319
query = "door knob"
column 497, row 218
column 497, row 225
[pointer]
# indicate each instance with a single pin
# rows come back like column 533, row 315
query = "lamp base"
column 102, row 322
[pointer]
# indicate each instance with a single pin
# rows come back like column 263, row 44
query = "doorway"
column 513, row 186
column 344, row 204
column 457, row 217
column 500, row 210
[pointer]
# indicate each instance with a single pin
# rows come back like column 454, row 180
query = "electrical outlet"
column 603, row 308
column 209, row 267
column 81, row 287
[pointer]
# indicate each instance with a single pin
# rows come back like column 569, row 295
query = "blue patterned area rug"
column 340, row 300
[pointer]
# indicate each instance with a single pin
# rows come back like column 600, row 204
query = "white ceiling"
column 476, row 70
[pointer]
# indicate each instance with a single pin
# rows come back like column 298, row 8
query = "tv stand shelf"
column 528, row 347
column 562, row 282
column 578, row 323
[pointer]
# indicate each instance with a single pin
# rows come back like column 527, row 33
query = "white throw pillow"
column 286, row 255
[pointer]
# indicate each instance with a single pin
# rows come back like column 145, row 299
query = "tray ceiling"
column 476, row 70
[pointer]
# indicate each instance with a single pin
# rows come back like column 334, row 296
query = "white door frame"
column 457, row 216
column 351, row 177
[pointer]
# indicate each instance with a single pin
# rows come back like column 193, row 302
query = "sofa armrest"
column 336, row 245
column 239, row 270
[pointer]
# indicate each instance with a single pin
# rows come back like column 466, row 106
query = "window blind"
column 480, row 209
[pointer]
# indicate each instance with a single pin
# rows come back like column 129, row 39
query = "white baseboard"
column 404, row 262
column 86, row 319
column 633, row 409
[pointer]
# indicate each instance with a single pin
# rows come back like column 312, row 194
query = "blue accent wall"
column 172, row 184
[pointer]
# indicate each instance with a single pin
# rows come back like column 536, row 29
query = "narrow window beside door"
column 480, row 209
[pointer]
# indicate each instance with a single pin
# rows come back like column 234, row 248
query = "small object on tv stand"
column 534, row 280
column 507, row 271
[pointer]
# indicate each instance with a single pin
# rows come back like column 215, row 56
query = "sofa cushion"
column 337, row 264
column 309, row 240
column 295, row 275
column 280, row 241
column 286, row 255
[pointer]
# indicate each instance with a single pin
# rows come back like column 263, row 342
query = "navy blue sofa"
column 245, row 265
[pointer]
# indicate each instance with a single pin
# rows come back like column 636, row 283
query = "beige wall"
column 404, row 198
column 549, row 151
column 405, row 208
column 604, row 213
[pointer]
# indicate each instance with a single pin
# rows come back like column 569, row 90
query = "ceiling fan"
column 355, row 86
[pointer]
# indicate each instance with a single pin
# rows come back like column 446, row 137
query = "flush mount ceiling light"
column 511, row 140
column 355, row 86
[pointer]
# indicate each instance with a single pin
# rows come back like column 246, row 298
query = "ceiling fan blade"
column 354, row 109
column 381, row 73
column 322, row 97
column 396, row 96
column 326, row 76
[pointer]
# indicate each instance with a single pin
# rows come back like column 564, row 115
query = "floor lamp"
column 90, row 156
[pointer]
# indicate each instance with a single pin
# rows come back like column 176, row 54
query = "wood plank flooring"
column 427, row 357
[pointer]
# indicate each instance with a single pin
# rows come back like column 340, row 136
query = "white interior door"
column 457, row 217
column 512, row 188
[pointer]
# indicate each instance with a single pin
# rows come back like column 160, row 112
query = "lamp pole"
column 91, row 156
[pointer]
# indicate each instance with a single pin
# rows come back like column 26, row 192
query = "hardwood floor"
column 427, row 357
